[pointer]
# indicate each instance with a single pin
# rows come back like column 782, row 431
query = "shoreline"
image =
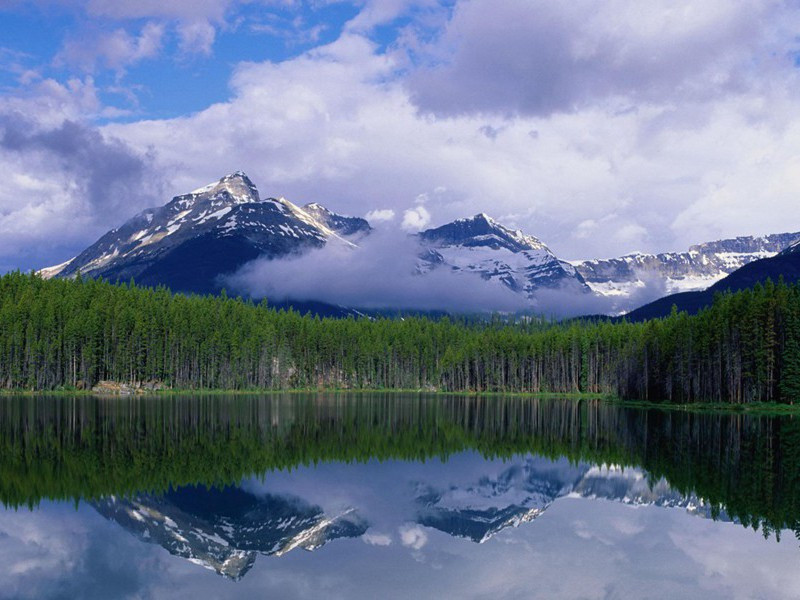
column 760, row 408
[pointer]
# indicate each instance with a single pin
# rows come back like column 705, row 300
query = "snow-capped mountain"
column 482, row 246
column 698, row 268
column 225, row 529
column 524, row 491
column 197, row 237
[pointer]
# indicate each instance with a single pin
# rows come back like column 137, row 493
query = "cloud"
column 377, row 539
column 380, row 273
column 380, row 215
column 413, row 536
column 108, row 173
column 415, row 219
column 539, row 57
column 115, row 50
column 65, row 182
column 196, row 37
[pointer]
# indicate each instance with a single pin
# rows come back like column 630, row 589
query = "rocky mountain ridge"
column 195, row 241
column 696, row 269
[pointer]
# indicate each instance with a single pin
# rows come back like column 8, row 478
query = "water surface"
column 393, row 496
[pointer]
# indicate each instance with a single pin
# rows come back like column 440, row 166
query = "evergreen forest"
column 66, row 334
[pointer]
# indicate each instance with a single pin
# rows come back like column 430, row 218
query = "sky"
column 600, row 127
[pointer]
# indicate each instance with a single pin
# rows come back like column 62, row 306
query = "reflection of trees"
column 84, row 447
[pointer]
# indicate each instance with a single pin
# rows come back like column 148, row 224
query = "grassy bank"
column 762, row 408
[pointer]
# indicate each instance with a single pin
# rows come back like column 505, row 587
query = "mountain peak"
column 482, row 230
column 237, row 186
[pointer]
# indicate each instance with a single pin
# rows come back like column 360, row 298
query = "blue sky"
column 600, row 127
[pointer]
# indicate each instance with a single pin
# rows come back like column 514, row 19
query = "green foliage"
column 62, row 334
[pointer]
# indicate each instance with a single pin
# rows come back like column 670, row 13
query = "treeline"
column 74, row 333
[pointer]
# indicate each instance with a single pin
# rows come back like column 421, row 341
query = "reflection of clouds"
column 377, row 539
column 35, row 546
column 413, row 536
column 740, row 562
column 57, row 551
column 578, row 548
column 629, row 525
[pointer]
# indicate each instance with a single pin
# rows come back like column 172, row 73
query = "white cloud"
column 379, row 273
column 415, row 219
column 413, row 536
column 196, row 37
column 377, row 539
column 539, row 57
column 380, row 215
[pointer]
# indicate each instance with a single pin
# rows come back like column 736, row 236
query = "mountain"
column 785, row 265
column 195, row 240
column 197, row 237
column 698, row 268
column 482, row 246
column 225, row 529
column 524, row 491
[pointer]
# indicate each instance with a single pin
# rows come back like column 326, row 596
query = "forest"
column 68, row 334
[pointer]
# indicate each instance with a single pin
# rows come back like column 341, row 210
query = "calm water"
column 393, row 496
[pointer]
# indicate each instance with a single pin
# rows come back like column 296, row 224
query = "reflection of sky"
column 578, row 548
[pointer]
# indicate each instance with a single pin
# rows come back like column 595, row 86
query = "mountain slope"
column 786, row 265
column 481, row 246
column 197, row 237
column 698, row 268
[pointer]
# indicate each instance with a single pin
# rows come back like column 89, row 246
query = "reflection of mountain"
column 522, row 492
column 224, row 529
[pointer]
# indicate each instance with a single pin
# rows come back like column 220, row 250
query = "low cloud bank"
column 383, row 273
column 380, row 273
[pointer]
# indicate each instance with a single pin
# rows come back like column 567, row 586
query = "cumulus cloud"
column 65, row 182
column 380, row 215
column 413, row 536
column 380, row 273
column 415, row 219
column 538, row 57
column 196, row 37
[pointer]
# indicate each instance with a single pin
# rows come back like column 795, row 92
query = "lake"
column 373, row 495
